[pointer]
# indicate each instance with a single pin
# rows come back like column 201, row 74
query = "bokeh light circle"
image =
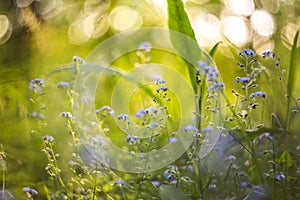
column 124, row 18
column 99, row 63
column 237, row 30
column 263, row 23
column 5, row 29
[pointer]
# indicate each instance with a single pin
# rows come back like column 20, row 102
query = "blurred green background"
column 37, row 36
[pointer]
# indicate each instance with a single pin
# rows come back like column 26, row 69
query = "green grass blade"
column 212, row 52
column 292, row 76
column 178, row 20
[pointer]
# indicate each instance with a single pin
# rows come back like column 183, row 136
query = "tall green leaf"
column 178, row 20
column 292, row 76
column 212, row 52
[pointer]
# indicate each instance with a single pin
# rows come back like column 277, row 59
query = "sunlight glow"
column 161, row 5
column 207, row 29
column 263, row 23
column 5, row 29
column 87, row 28
column 237, row 30
column 241, row 7
column 4, row 25
column 123, row 18
column 23, row 3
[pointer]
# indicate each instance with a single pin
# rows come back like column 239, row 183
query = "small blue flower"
column 298, row 148
column 152, row 125
column 216, row 85
column 170, row 172
column 212, row 187
column 190, row 128
column 119, row 182
column 298, row 170
column 162, row 88
column 247, row 53
column 231, row 158
column 67, row 115
column 245, row 184
column 37, row 84
column 145, row 46
column 141, row 113
column 268, row 53
column 160, row 82
column 37, row 115
column 173, row 140
column 280, row 177
column 131, row 139
column 265, row 135
column 104, row 110
column 202, row 64
column 123, row 117
column 48, row 138
column 77, row 59
column 30, row 190
column 245, row 80
column 64, row 85
column 258, row 94
column 207, row 129
column 155, row 183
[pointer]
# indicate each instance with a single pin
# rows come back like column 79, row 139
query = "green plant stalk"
column 3, row 184
column 291, row 78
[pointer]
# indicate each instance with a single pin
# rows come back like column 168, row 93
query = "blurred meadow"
column 39, row 36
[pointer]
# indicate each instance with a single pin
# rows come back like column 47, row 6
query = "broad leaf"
column 178, row 20
column 286, row 159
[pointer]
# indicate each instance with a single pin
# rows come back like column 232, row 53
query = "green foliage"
column 179, row 21
column 285, row 159
column 170, row 192
column 294, row 63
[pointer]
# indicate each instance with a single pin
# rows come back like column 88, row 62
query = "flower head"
column 258, row 94
column 37, row 84
column 141, row 113
column 123, row 117
column 67, row 115
column 269, row 54
column 145, row 46
column 212, row 187
column 280, row 177
column 48, row 138
column 131, row 139
column 119, row 182
column 265, row 135
column 245, row 80
column 170, row 172
column 30, row 191
column 231, row 158
column 247, row 53
column 245, row 184
column 77, row 59
column 104, row 110
column 216, row 85
column 64, row 85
